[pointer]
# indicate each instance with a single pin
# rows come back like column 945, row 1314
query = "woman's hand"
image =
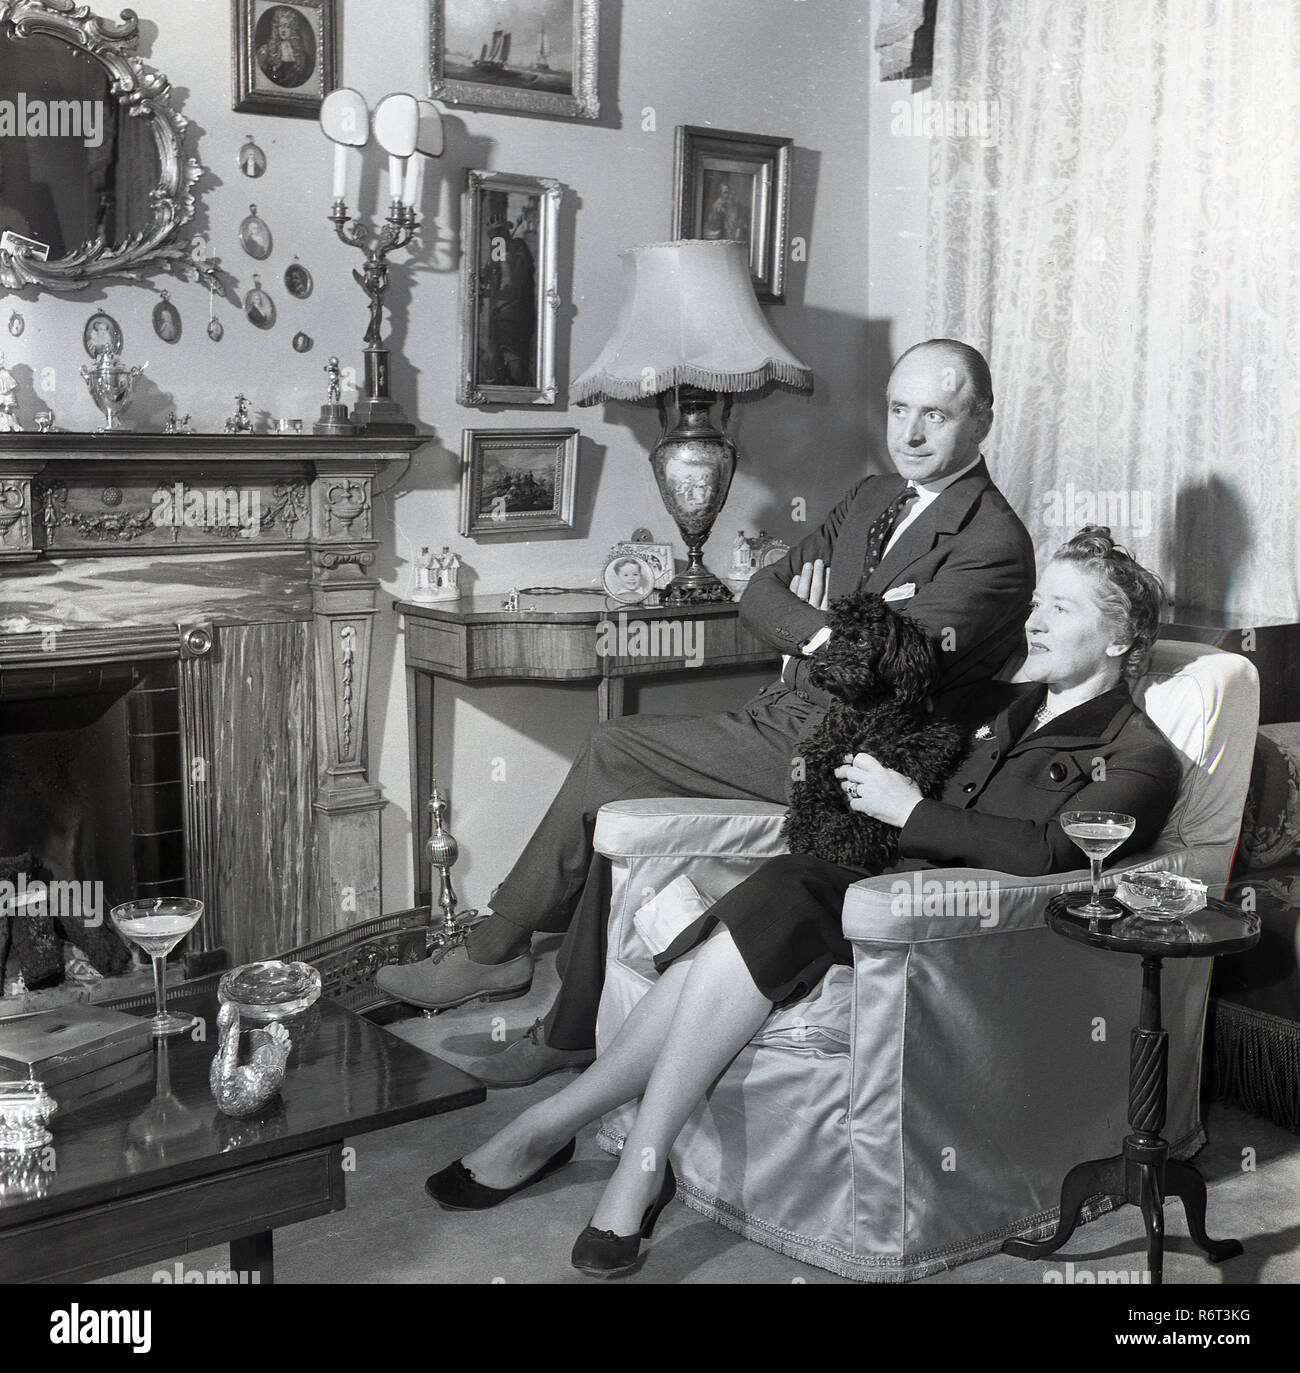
column 873, row 789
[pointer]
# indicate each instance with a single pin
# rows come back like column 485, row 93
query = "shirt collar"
column 934, row 488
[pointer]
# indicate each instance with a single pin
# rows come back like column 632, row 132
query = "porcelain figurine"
column 241, row 1089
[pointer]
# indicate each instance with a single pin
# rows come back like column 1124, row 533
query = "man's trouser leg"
column 750, row 752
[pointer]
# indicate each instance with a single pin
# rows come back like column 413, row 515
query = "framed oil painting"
column 736, row 185
column 517, row 480
column 283, row 56
column 533, row 56
column 509, row 291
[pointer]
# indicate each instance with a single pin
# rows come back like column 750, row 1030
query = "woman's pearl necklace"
column 1043, row 714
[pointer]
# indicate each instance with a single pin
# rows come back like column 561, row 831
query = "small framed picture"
column 167, row 320
column 283, row 55
column 628, row 577
column 297, row 281
column 102, row 334
column 259, row 307
column 736, row 186
column 509, row 290
column 534, row 56
column 517, row 480
column 255, row 235
column 657, row 556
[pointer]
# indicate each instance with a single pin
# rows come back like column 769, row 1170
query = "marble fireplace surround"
column 271, row 633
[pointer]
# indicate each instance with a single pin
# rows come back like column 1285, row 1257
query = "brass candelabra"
column 378, row 413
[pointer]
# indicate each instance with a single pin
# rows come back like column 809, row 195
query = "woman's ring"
column 855, row 791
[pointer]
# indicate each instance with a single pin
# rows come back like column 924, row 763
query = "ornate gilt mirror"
column 94, row 180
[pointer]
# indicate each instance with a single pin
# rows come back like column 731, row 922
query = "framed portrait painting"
column 509, row 291
column 283, row 55
column 517, row 480
column 534, row 56
column 736, row 185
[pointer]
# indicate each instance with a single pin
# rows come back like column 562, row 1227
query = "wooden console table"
column 565, row 638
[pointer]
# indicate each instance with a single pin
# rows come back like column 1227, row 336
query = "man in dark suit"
column 937, row 539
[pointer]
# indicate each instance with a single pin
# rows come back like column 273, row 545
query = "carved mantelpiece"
column 251, row 560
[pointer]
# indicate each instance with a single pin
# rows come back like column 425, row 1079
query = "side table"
column 1143, row 1173
column 551, row 639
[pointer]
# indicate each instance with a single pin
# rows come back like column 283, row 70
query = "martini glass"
column 157, row 926
column 1097, row 833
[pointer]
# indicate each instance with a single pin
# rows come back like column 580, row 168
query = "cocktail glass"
column 157, row 926
column 1097, row 833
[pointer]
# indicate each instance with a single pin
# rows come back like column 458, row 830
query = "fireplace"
column 223, row 665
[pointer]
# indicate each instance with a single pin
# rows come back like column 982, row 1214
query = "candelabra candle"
column 378, row 413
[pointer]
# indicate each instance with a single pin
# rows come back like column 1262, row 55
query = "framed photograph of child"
column 533, row 56
column 736, row 186
column 517, row 480
column 283, row 56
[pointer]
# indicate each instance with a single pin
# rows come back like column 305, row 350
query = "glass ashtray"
column 271, row 990
column 1161, row 895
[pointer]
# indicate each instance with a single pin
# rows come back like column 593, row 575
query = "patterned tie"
column 882, row 527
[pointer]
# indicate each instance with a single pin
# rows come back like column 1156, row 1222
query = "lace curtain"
column 1118, row 226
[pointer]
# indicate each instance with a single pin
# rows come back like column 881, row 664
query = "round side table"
column 1143, row 1173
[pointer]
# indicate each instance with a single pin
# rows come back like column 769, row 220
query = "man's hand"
column 813, row 584
column 873, row 789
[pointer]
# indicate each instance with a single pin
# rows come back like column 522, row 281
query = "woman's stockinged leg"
column 620, row 1074
column 718, row 1011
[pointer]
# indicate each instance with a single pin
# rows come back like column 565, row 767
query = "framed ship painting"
column 533, row 56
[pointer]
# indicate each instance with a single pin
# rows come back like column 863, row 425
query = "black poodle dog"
column 880, row 667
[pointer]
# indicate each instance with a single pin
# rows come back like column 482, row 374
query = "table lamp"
column 690, row 323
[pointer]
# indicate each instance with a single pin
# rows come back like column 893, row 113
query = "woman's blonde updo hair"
column 1130, row 596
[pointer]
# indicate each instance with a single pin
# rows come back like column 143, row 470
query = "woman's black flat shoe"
column 454, row 1187
column 604, row 1254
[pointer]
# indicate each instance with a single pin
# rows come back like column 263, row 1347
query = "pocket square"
column 899, row 593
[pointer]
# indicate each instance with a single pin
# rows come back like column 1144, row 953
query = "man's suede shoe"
column 528, row 1060
column 451, row 978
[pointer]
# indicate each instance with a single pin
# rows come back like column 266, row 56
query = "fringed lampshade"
column 690, row 323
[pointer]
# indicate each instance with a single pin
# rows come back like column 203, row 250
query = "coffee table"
column 158, row 1171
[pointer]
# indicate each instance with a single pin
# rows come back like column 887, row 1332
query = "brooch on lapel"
column 984, row 732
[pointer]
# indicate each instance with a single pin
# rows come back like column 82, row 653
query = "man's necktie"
column 882, row 527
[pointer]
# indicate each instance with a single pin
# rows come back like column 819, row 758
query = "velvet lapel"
column 1094, row 722
column 945, row 516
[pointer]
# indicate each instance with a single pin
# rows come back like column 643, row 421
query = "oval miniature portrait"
column 628, row 578
column 216, row 329
column 302, row 343
column 260, row 308
column 252, row 160
column 255, row 235
column 167, row 321
column 101, row 335
column 297, row 280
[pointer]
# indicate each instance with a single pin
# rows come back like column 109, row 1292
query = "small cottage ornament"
column 437, row 578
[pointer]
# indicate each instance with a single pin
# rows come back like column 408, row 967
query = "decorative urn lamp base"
column 693, row 464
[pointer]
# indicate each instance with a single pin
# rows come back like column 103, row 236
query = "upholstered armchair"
column 924, row 1104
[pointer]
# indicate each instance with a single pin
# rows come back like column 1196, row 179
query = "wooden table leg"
column 419, row 711
column 609, row 699
column 254, row 1254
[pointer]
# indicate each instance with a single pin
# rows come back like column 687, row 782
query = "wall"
column 803, row 69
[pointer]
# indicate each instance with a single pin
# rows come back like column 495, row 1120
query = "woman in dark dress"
column 1067, row 737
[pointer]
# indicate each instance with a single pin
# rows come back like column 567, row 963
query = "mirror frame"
column 145, row 94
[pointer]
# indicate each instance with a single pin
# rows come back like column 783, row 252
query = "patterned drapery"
column 1119, row 229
